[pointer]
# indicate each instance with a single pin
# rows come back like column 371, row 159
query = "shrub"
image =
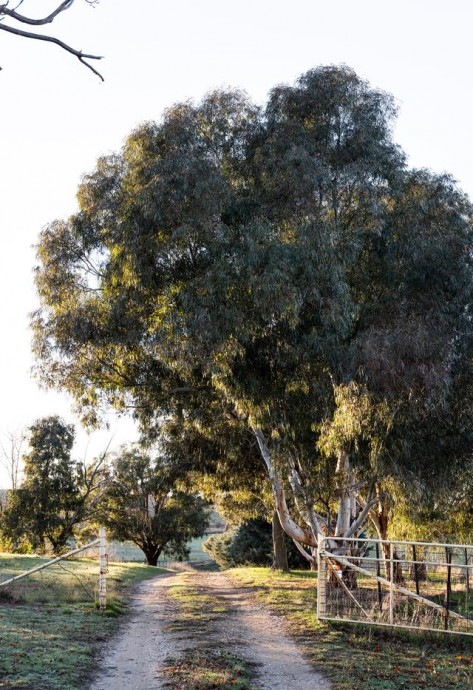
column 249, row 544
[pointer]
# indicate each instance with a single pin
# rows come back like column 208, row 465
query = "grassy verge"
column 207, row 665
column 362, row 657
column 50, row 628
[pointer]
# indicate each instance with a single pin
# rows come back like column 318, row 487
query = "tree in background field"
column 57, row 494
column 145, row 505
column 13, row 21
column 283, row 267
column 11, row 452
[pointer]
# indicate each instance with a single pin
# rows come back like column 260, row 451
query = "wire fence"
column 76, row 577
column 415, row 585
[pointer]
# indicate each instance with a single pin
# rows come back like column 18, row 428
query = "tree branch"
column 35, row 22
column 370, row 502
column 82, row 57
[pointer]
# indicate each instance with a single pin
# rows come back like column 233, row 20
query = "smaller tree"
column 145, row 505
column 11, row 451
column 57, row 493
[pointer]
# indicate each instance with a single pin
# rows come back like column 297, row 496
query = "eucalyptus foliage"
column 282, row 267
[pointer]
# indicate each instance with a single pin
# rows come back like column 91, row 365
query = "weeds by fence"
column 403, row 584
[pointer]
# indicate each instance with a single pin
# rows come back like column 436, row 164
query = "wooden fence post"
column 391, row 584
column 321, row 581
column 103, row 569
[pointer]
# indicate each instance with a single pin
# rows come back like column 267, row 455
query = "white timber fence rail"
column 81, row 574
column 406, row 584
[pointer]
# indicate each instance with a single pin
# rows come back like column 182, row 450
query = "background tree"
column 11, row 451
column 251, row 543
column 12, row 21
column 281, row 265
column 145, row 505
column 57, row 494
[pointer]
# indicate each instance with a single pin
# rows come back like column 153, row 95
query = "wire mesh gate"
column 405, row 584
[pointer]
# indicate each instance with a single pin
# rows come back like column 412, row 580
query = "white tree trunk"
column 346, row 501
column 348, row 522
column 291, row 528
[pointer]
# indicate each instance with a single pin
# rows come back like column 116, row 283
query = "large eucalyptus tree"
column 280, row 267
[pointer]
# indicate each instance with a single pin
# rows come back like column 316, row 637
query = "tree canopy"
column 56, row 494
column 145, row 505
column 12, row 21
column 278, row 266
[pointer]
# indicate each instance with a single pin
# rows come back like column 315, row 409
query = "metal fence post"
column 378, row 574
column 448, row 556
column 391, row 583
column 103, row 569
column 467, row 573
column 321, row 581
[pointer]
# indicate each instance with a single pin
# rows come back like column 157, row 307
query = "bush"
column 249, row 544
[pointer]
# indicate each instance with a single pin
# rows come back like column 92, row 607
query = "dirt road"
column 135, row 659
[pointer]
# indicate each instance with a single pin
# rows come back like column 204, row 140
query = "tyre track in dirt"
column 136, row 658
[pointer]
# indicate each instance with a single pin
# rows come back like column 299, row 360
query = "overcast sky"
column 57, row 118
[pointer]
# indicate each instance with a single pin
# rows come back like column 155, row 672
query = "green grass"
column 49, row 631
column 196, row 551
column 128, row 551
column 362, row 657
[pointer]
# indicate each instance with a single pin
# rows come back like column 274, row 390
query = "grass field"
column 357, row 657
column 50, row 627
column 129, row 552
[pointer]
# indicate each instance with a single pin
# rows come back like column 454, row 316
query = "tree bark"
column 279, row 545
column 287, row 523
column 152, row 558
column 380, row 519
column 346, row 508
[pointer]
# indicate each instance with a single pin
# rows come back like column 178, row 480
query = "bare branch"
column 35, row 22
column 6, row 12
column 82, row 57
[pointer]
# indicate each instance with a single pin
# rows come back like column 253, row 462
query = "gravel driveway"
column 134, row 659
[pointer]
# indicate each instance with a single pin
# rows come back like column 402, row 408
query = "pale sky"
column 57, row 118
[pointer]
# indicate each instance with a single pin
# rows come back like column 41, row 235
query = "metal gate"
column 405, row 584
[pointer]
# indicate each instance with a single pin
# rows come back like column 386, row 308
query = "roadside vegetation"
column 50, row 632
column 361, row 657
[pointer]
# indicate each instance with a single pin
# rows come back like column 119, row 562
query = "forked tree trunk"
column 303, row 536
column 348, row 522
column 279, row 545
column 152, row 555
